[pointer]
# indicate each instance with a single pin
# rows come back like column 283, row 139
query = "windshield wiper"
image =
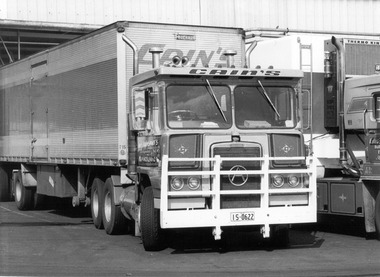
column 265, row 94
column 212, row 93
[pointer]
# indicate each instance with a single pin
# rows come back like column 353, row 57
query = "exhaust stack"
column 156, row 51
column 230, row 57
column 248, row 54
column 341, row 79
column 135, row 50
column 343, row 149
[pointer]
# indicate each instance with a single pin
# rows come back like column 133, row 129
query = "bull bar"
column 216, row 217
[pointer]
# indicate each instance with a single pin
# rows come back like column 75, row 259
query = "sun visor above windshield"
column 231, row 72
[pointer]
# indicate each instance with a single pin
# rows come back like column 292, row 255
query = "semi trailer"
column 158, row 127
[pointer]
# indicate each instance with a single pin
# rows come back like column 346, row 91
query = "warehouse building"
column 29, row 26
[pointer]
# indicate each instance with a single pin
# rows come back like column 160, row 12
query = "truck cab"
column 221, row 147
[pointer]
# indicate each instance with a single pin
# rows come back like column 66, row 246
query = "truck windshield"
column 199, row 106
column 210, row 106
column 264, row 107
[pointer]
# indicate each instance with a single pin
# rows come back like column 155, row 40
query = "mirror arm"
column 366, row 132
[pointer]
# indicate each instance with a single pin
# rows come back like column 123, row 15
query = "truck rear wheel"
column 97, row 203
column 151, row 233
column 113, row 219
column 39, row 200
column 23, row 196
column 377, row 215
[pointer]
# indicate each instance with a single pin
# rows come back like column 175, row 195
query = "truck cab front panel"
column 231, row 152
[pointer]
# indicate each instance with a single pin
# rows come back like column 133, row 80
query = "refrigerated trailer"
column 159, row 127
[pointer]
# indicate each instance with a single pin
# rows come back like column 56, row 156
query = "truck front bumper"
column 303, row 209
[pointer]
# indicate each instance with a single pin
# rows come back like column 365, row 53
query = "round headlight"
column 293, row 181
column 176, row 183
column 193, row 183
column 278, row 181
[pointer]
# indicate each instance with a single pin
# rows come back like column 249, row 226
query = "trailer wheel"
column 113, row 219
column 377, row 215
column 97, row 203
column 151, row 233
column 23, row 196
column 5, row 191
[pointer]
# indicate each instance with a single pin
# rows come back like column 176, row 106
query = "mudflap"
column 370, row 191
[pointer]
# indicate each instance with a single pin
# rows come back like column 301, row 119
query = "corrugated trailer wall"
column 362, row 56
column 62, row 104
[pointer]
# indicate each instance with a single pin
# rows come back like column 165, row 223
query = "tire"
column 280, row 236
column 377, row 215
column 97, row 203
column 24, row 197
column 151, row 232
column 39, row 200
column 114, row 221
column 5, row 191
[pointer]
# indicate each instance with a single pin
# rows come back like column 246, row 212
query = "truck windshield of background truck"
column 195, row 107
column 272, row 108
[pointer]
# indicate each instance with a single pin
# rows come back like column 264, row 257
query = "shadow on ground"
column 201, row 240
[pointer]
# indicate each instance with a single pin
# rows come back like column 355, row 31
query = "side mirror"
column 140, row 109
column 376, row 101
column 306, row 109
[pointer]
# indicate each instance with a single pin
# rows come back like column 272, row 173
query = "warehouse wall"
column 330, row 15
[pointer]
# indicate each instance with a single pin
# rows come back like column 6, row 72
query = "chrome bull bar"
column 216, row 217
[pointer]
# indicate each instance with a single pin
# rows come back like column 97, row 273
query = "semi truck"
column 158, row 127
column 341, row 80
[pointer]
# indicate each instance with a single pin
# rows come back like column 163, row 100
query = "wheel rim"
column 107, row 206
column 95, row 203
column 18, row 191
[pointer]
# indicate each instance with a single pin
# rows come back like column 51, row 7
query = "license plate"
column 243, row 216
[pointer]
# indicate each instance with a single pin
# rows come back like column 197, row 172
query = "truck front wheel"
column 151, row 233
column 97, row 203
column 377, row 215
column 113, row 219
column 23, row 196
column 279, row 236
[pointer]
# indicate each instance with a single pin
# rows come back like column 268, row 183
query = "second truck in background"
column 342, row 82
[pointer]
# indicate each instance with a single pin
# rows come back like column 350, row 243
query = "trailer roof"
column 121, row 26
column 363, row 81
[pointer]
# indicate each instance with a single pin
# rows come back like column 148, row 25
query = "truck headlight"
column 193, row 183
column 185, row 183
column 293, row 181
column 278, row 181
column 177, row 183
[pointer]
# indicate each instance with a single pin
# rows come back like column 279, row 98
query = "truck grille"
column 237, row 180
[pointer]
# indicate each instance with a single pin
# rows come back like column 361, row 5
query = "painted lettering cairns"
column 200, row 58
column 232, row 72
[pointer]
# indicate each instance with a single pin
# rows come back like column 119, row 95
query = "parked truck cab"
column 220, row 147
